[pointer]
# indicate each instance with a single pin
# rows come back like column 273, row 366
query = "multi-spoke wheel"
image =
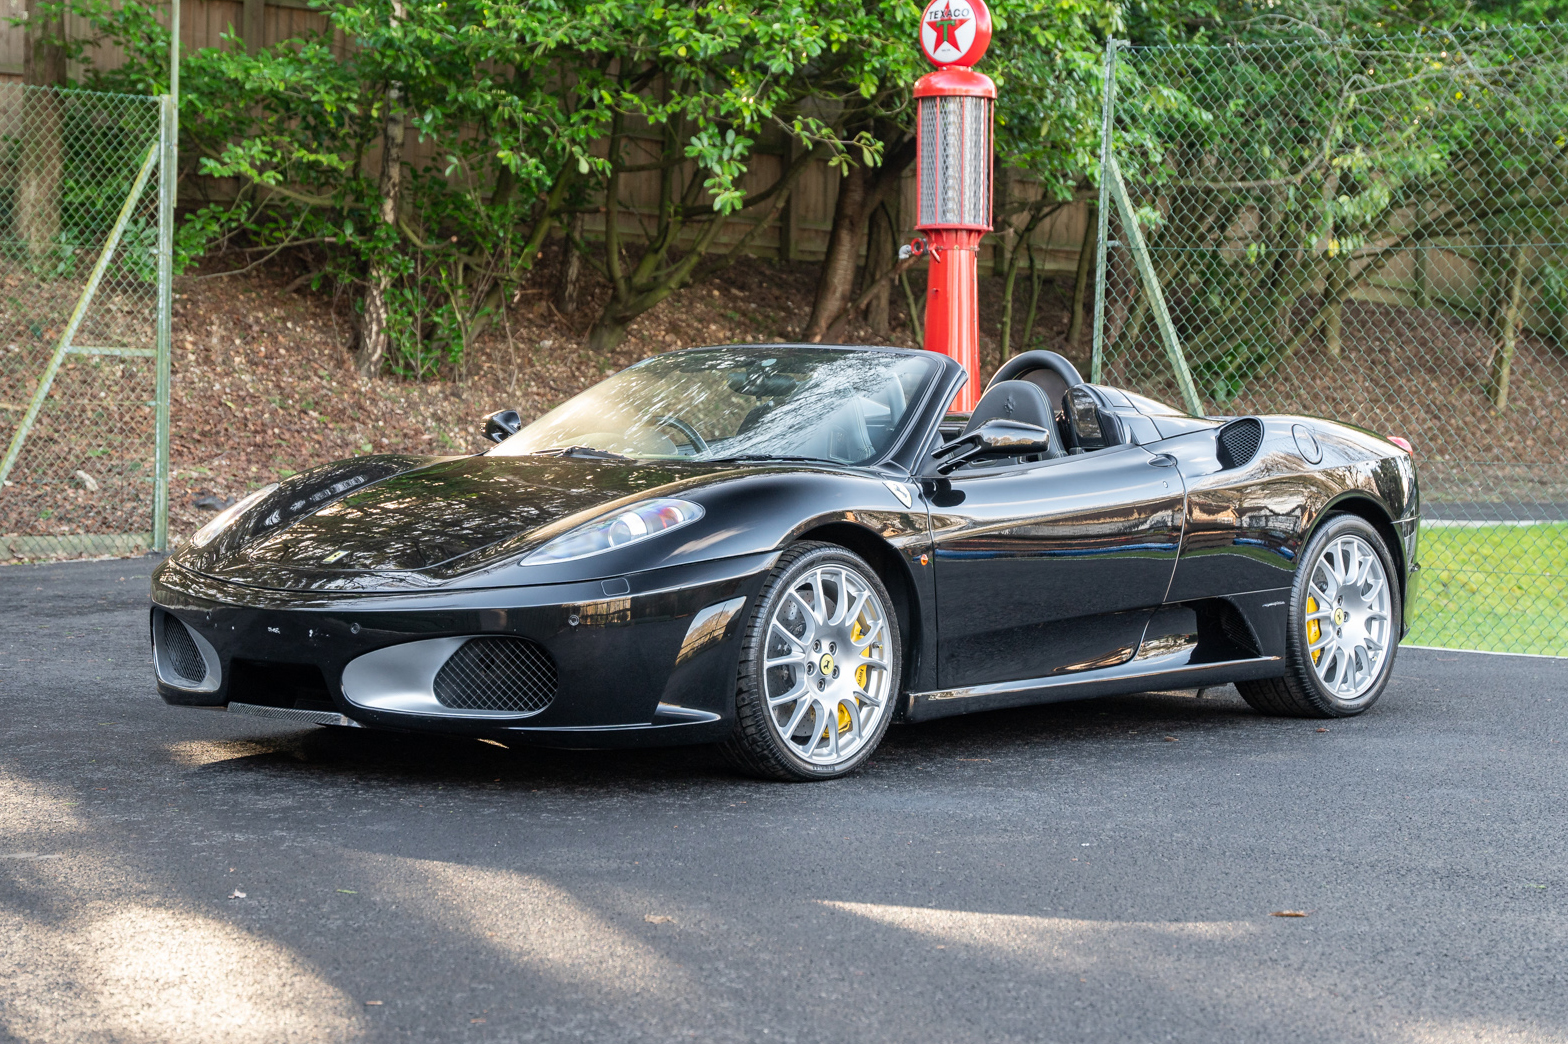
column 1343, row 629
column 819, row 668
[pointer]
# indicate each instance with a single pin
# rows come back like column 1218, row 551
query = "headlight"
column 221, row 520
column 647, row 519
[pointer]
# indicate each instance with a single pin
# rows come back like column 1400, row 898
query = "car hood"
column 379, row 522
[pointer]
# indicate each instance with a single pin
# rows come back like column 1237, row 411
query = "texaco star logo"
column 955, row 32
column 946, row 24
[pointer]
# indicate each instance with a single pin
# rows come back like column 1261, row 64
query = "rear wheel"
column 819, row 669
column 1343, row 629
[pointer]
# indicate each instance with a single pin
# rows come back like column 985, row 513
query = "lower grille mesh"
column 180, row 652
column 501, row 673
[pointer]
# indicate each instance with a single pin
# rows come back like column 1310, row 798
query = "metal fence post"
column 1103, row 215
column 166, row 187
column 1152, row 291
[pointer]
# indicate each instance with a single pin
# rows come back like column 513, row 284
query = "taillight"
column 1403, row 444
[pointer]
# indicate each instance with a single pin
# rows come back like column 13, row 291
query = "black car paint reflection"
column 1115, row 570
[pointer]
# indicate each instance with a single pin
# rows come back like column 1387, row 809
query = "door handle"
column 1163, row 460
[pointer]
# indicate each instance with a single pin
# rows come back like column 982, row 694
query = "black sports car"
column 784, row 548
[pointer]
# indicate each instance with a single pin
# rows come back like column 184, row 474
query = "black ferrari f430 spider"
column 782, row 549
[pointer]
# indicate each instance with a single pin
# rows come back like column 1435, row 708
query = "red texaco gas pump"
column 953, row 120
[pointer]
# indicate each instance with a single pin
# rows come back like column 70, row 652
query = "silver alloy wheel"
column 826, row 671
column 1347, row 617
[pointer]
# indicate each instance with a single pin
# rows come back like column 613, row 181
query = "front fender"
column 744, row 514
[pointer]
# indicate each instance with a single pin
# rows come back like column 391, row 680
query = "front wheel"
column 1344, row 623
column 819, row 668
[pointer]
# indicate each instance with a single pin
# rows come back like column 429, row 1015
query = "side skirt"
column 1130, row 677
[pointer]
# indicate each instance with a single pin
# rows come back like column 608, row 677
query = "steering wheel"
column 698, row 443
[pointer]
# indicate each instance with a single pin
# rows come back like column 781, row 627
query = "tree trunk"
column 1508, row 332
column 1034, row 297
column 42, row 155
column 860, row 193
column 916, row 315
column 656, row 276
column 606, row 335
column 836, row 285
column 566, row 290
column 371, row 355
column 1005, row 348
column 1038, row 212
column 1086, row 254
column 1334, row 293
column 879, row 258
column 1006, row 239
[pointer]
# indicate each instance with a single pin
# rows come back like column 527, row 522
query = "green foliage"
column 1285, row 173
column 530, row 107
column 97, row 146
column 1047, row 59
column 520, row 99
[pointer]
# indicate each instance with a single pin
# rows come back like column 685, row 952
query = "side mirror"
column 994, row 438
column 501, row 424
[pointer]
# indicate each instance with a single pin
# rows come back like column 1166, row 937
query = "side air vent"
column 180, row 655
column 1239, row 441
column 1237, row 631
column 1223, row 633
column 497, row 674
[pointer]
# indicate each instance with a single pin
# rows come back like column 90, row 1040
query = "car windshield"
column 739, row 402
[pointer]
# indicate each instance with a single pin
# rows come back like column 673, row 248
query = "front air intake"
column 1239, row 441
column 497, row 674
column 180, row 654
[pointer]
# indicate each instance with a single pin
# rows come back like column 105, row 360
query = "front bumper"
column 651, row 664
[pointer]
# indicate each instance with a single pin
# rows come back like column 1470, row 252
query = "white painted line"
column 1482, row 652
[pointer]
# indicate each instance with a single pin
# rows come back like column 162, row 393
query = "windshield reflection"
column 827, row 404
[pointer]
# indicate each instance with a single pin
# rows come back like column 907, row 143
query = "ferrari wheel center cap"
column 826, row 664
column 1340, row 616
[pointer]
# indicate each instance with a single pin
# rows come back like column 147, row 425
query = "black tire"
column 1301, row 693
column 756, row 746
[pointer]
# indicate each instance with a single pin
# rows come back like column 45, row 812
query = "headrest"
column 1012, row 400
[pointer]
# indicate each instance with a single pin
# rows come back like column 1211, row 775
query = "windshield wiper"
column 770, row 457
column 586, row 452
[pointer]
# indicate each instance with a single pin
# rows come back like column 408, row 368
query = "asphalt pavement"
column 1099, row 871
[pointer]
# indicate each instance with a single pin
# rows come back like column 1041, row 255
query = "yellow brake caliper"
column 860, row 679
column 1314, row 631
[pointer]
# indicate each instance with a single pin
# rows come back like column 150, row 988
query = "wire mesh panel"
column 1370, row 231
column 955, row 161
column 77, row 322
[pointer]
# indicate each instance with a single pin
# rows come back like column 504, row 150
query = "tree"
column 1277, row 179
column 1044, row 58
column 1046, row 61
column 42, row 155
column 714, row 80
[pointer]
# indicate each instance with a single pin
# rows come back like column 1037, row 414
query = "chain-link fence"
column 84, row 245
column 1372, row 231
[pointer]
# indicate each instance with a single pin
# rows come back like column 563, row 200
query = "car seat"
column 1021, row 401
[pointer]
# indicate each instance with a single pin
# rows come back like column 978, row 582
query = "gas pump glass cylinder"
column 953, row 120
column 955, row 162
